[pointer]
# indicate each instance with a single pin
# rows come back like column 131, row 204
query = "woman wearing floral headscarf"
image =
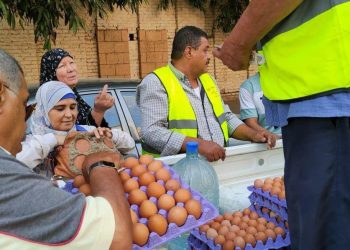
column 58, row 65
column 54, row 117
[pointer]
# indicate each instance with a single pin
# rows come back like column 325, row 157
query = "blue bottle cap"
column 192, row 147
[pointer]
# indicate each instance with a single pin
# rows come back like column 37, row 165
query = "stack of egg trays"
column 265, row 199
column 209, row 212
column 255, row 207
column 199, row 241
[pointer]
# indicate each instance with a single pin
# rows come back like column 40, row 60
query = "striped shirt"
column 152, row 99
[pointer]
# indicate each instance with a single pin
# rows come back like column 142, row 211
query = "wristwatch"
column 104, row 164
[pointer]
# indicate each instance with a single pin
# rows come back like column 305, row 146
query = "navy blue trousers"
column 317, row 181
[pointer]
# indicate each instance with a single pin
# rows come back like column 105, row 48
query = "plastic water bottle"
column 201, row 177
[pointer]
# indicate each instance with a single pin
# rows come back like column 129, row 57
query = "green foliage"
column 47, row 14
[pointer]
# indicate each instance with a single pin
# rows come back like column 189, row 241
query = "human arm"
column 105, row 182
column 35, row 148
column 256, row 21
column 243, row 132
column 153, row 102
column 103, row 101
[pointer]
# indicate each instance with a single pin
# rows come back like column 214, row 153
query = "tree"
column 46, row 14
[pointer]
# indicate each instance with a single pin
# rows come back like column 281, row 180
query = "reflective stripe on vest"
column 308, row 53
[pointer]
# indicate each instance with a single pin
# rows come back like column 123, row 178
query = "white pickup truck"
column 243, row 164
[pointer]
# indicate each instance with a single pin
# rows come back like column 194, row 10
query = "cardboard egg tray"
column 209, row 212
column 281, row 223
column 265, row 199
column 199, row 241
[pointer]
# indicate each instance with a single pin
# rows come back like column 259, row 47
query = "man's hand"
column 265, row 136
column 211, row 150
column 103, row 100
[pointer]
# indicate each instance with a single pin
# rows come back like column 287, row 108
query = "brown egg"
column 270, row 234
column 219, row 240
column 277, row 179
column 130, row 185
column 234, row 228
column 238, row 213
column 239, row 242
column 124, row 176
column 146, row 159
column 265, row 210
column 228, row 245
column 282, row 195
column 134, row 217
column 252, row 223
column 258, row 183
column 166, row 202
column 204, row 228
column 78, row 181
column 155, row 165
column 130, row 162
column 140, row 234
column 245, row 218
column 226, row 223
column 266, row 187
column 253, row 215
column 243, row 225
column 182, row 195
column 163, row 174
column 275, row 191
column 236, row 220
column 172, row 184
column 268, row 181
column 211, row 233
column 270, row 225
column 230, row 235
column 157, row 224
column 227, row 216
column 136, row 196
column 280, row 231
column 215, row 225
column 85, row 189
column 246, row 211
column 260, row 228
column 251, row 230
column 194, row 208
column 262, row 221
column 146, row 178
column 223, row 230
column 138, row 170
column 241, row 233
column 177, row 215
column 147, row 209
column 155, row 189
column 250, row 239
column 219, row 218
column 261, row 236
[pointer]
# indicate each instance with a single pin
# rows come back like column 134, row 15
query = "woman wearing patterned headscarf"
column 53, row 118
column 58, row 64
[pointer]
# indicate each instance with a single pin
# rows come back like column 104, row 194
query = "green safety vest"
column 181, row 117
column 308, row 53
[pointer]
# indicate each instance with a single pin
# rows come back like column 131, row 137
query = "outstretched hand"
column 267, row 137
column 211, row 150
column 103, row 100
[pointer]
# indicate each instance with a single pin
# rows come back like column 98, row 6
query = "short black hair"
column 186, row 36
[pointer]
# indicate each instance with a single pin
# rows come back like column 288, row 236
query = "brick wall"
column 135, row 54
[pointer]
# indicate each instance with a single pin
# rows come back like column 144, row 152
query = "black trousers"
column 317, row 181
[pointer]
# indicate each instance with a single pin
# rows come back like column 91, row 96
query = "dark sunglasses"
column 29, row 108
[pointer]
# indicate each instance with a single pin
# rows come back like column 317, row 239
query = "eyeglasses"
column 28, row 109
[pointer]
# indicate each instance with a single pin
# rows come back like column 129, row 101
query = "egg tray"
column 199, row 241
column 267, row 195
column 209, row 212
column 264, row 202
column 280, row 223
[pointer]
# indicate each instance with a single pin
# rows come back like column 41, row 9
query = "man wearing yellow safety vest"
column 306, row 82
column 180, row 102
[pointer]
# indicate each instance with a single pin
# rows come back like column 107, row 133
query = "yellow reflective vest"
column 308, row 53
column 181, row 117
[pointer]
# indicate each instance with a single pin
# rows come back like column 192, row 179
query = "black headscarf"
column 49, row 63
